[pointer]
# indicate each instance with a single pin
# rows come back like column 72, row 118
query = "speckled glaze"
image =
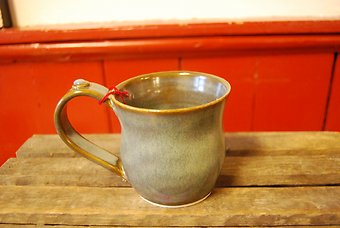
column 172, row 141
column 172, row 145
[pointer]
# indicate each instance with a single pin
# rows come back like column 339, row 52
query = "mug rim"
column 176, row 110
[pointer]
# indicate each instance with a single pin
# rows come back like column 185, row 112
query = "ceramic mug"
column 172, row 139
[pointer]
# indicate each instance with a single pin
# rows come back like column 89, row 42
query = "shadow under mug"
column 172, row 139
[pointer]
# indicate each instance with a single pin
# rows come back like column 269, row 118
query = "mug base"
column 176, row 206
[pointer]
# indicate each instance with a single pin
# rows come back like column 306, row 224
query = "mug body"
column 172, row 144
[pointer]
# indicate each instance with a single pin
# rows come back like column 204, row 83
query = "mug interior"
column 174, row 90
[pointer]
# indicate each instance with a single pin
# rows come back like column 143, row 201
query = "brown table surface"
column 268, row 179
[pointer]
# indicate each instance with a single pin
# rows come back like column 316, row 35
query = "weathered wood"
column 47, row 226
column 123, row 206
column 49, row 185
column 265, row 143
column 42, row 225
column 290, row 170
column 95, row 226
column 53, row 146
column 282, row 143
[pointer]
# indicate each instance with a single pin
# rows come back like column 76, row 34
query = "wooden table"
column 268, row 179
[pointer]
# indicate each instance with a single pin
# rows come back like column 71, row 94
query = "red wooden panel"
column 238, row 70
column 29, row 93
column 167, row 47
column 124, row 31
column 292, row 91
column 272, row 91
column 333, row 117
column 117, row 71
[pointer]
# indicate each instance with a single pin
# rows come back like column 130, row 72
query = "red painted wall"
column 282, row 77
column 333, row 114
column 272, row 91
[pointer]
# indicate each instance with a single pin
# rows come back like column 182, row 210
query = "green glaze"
column 172, row 149
column 172, row 144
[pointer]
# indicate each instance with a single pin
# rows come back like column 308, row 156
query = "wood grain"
column 238, row 144
column 268, row 179
column 53, row 146
column 283, row 143
column 123, row 206
column 288, row 170
column 96, row 226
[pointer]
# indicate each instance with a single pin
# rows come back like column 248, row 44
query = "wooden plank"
column 42, row 225
column 283, row 143
column 238, row 144
column 57, row 171
column 53, row 146
column 96, row 226
column 122, row 206
column 77, row 226
column 288, row 170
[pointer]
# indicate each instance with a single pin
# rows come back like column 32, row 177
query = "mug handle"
column 76, row 141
